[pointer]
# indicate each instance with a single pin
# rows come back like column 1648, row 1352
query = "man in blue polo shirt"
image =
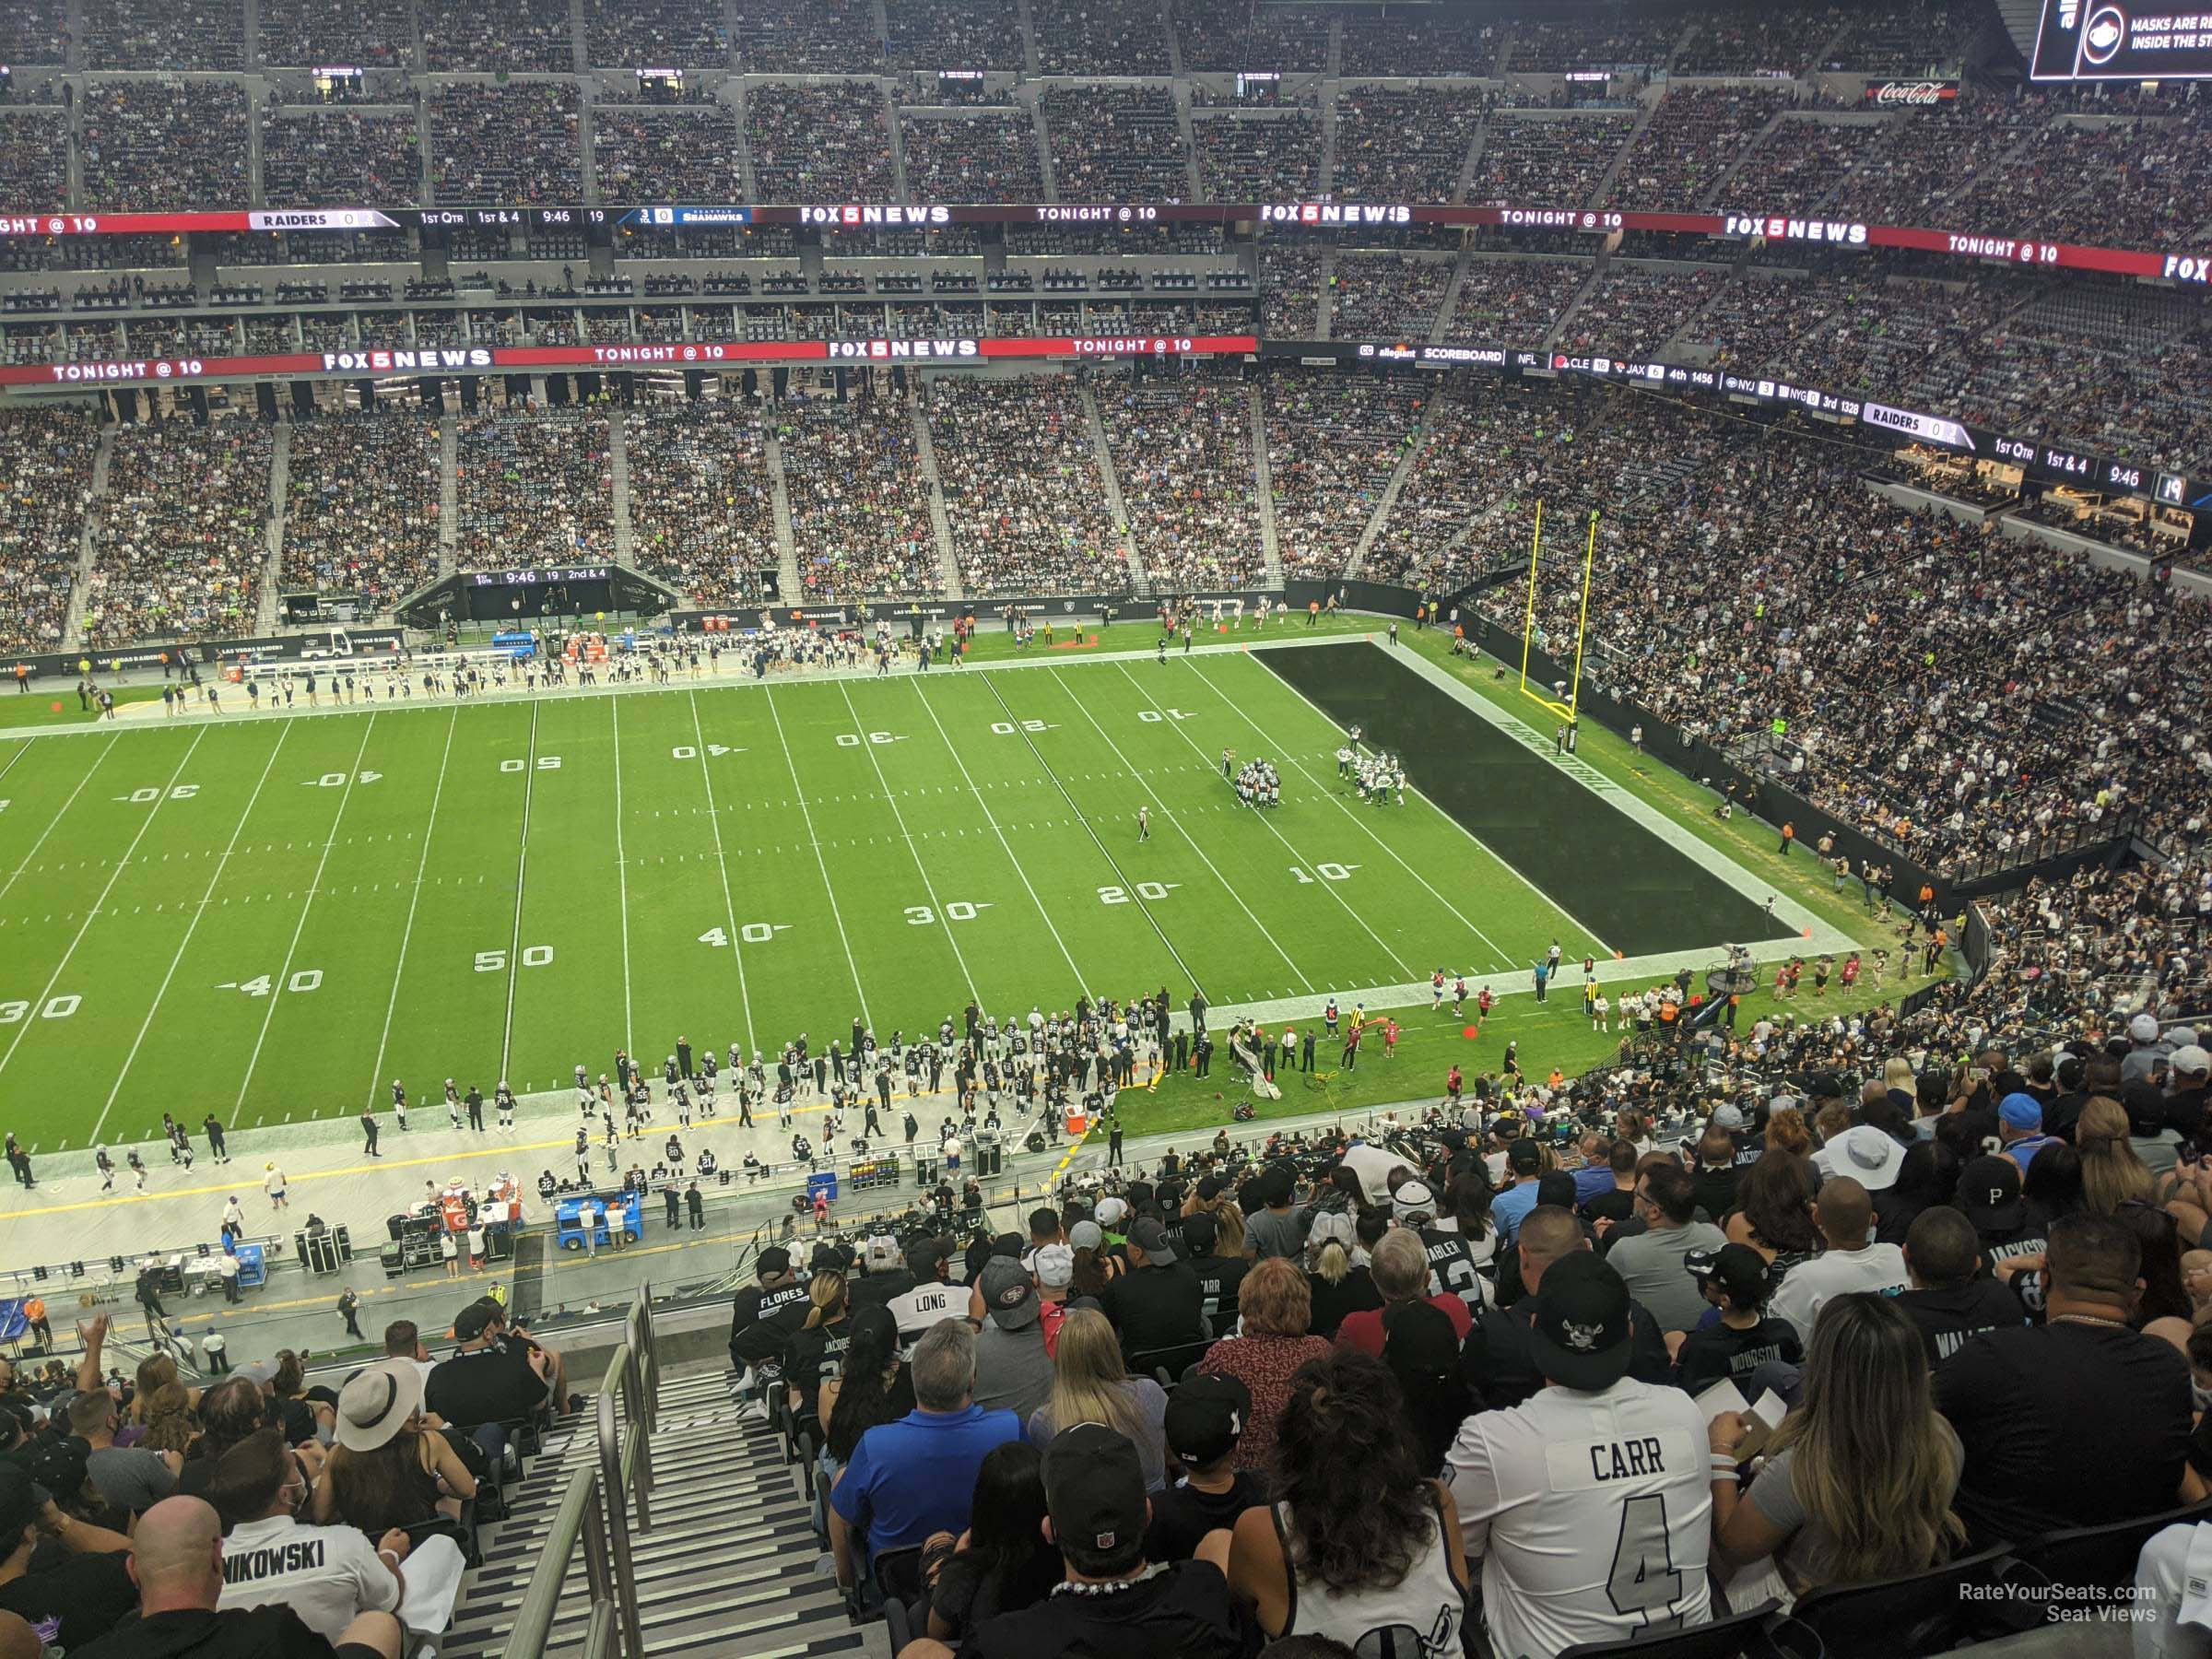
column 2020, row 1127
column 910, row 1479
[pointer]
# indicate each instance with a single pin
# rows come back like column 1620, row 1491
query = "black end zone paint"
column 1642, row 896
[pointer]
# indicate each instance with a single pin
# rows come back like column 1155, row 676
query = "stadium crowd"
column 535, row 483
column 702, row 509
column 41, row 522
column 182, row 542
column 861, row 525
column 1183, row 452
column 363, row 506
column 1023, row 493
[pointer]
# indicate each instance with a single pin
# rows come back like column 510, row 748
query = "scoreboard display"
column 2122, row 40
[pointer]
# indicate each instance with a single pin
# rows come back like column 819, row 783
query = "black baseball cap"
column 1989, row 1194
column 1212, row 1187
column 1525, row 1157
column 1199, row 1233
column 1151, row 1238
column 61, row 1462
column 1556, row 1186
column 775, row 1259
column 1094, row 1488
column 1736, row 1268
column 472, row 1321
column 923, row 1255
column 1205, row 1418
column 1581, row 1337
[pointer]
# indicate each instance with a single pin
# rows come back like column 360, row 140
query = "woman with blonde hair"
column 2112, row 1171
column 1858, row 1481
column 156, row 1372
column 1092, row 1385
column 817, row 1345
column 1228, row 1220
column 1276, row 1307
column 1338, row 1281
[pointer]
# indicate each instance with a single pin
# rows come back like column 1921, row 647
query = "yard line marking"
column 991, row 818
column 1505, row 958
column 106, row 749
column 722, row 869
column 929, row 888
column 1409, row 971
column 414, row 898
column 621, row 871
column 1168, row 812
column 521, row 866
column 198, row 910
column 313, row 886
column 807, row 818
column 1506, row 864
column 93, row 915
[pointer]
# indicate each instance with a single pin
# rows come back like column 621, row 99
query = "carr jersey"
column 1591, row 1513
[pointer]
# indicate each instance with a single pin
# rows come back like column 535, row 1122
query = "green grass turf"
column 271, row 920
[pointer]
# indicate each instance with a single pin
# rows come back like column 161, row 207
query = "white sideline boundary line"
column 407, row 930
column 1228, row 886
column 92, row 914
column 190, row 927
column 1504, row 956
column 798, row 791
column 722, row 868
column 314, row 886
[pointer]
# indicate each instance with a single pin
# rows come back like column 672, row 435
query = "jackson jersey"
column 1591, row 1513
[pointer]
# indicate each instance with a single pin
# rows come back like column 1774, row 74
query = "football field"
column 271, row 918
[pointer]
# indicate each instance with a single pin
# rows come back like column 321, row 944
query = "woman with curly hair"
column 1357, row 1542
column 1273, row 1340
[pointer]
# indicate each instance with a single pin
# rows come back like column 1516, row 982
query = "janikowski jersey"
column 1591, row 1513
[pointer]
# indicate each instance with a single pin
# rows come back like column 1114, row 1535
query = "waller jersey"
column 1591, row 1513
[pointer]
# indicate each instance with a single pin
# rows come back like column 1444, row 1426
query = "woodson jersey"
column 1591, row 1513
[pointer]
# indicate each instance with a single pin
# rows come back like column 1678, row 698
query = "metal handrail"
column 595, row 1509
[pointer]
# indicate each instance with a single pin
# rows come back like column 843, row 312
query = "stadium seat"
column 2083, row 1561
column 1759, row 1634
column 1917, row 1613
column 1169, row 1366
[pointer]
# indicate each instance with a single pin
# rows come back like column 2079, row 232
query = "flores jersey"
column 1591, row 1513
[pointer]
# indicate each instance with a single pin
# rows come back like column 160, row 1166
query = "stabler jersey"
column 1451, row 1266
column 1591, row 1513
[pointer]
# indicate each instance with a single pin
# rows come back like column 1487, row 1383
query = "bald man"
column 1844, row 1210
column 1496, row 1359
column 177, row 1562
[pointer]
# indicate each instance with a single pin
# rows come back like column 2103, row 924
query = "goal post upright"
column 1582, row 624
column 1528, row 624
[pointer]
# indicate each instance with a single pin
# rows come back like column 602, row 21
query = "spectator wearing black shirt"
column 1949, row 1300
column 1155, row 1305
column 1217, row 1276
column 763, row 1319
column 66, row 1579
column 1497, row 1360
column 2005, row 1227
column 1206, row 1418
column 486, row 1384
column 2079, row 1421
column 1737, row 1281
column 177, row 1561
column 1003, row 1563
column 817, row 1350
column 1712, row 1177
column 1111, row 1603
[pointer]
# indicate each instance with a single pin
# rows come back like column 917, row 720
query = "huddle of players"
column 1257, row 784
column 1376, row 777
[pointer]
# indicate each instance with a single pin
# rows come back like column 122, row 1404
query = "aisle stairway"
column 728, row 1567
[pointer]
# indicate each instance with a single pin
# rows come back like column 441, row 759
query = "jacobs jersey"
column 1598, row 1513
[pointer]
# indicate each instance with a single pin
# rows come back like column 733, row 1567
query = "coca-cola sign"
column 1891, row 94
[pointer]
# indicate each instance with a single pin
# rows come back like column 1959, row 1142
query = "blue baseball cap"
column 2020, row 1112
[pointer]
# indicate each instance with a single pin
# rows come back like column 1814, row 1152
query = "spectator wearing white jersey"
column 1588, row 1506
